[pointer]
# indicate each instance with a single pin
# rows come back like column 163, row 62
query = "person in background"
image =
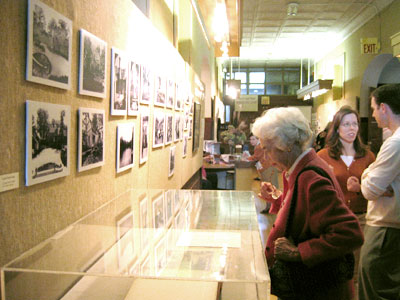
column 348, row 157
column 323, row 226
column 379, row 270
column 321, row 138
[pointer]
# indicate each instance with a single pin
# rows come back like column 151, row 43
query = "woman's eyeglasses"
column 348, row 124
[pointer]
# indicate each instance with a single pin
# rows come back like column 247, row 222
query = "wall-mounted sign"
column 246, row 103
column 370, row 46
column 265, row 100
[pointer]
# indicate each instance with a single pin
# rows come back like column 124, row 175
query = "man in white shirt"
column 379, row 270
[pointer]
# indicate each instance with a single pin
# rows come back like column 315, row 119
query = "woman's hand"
column 353, row 184
column 269, row 192
column 286, row 250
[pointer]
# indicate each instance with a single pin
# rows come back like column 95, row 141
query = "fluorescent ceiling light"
column 314, row 89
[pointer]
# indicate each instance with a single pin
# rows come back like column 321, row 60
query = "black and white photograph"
column 47, row 141
column 190, row 127
column 144, row 136
column 185, row 145
column 133, row 88
column 146, row 86
column 170, row 94
column 161, row 91
column 49, row 46
column 178, row 97
column 169, row 126
column 125, row 146
column 169, row 201
column 171, row 166
column 158, row 214
column 196, row 126
column 92, row 65
column 91, row 138
column 119, row 82
column 158, row 129
column 160, row 256
column 144, row 224
column 186, row 117
column 125, row 241
column 177, row 128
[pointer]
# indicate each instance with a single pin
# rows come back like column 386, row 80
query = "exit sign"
column 370, row 46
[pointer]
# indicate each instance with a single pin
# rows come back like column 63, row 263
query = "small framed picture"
column 147, row 82
column 170, row 94
column 177, row 131
column 161, row 91
column 49, row 54
column 133, row 88
column 158, row 214
column 169, row 122
column 178, row 97
column 119, row 82
column 185, row 145
column 158, row 129
column 171, row 167
column 91, row 138
column 125, row 146
column 144, row 136
column 92, row 65
column 47, row 144
column 190, row 127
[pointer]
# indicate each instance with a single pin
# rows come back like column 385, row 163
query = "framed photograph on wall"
column 119, row 82
column 158, row 214
column 146, row 85
column 190, row 128
column 171, row 166
column 178, row 97
column 125, row 242
column 49, row 56
column 177, row 131
column 170, row 94
column 91, row 138
column 133, row 88
column 47, row 141
column 169, row 124
column 125, row 146
column 158, row 129
column 196, row 126
column 161, row 91
column 92, row 65
column 144, row 136
column 185, row 145
column 144, row 224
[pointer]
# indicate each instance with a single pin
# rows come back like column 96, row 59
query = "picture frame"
column 185, row 145
column 49, row 50
column 91, row 138
column 169, row 126
column 147, row 81
column 158, row 214
column 178, row 97
column 144, row 136
column 196, row 126
column 92, row 65
column 171, row 165
column 161, row 91
column 134, row 80
column 177, row 127
column 158, row 129
column 144, row 223
column 47, row 141
column 190, row 128
column 125, row 238
column 119, row 82
column 125, row 157
column 171, row 90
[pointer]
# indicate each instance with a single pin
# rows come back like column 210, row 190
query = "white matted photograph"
column 185, row 145
column 158, row 214
column 133, row 88
column 190, row 128
column 177, row 131
column 91, row 138
column 119, row 82
column 146, row 86
column 144, row 136
column 49, row 44
column 171, row 165
column 47, row 142
column 161, row 91
column 158, row 129
column 92, row 65
column 144, row 224
column 169, row 126
column 170, row 94
column 125, row 146
column 178, row 97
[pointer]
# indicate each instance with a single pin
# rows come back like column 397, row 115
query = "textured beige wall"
column 28, row 215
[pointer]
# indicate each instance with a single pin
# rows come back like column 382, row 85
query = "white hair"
column 286, row 126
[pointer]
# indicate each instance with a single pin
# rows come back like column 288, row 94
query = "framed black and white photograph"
column 92, row 65
column 160, row 256
column 190, row 128
column 119, row 82
column 144, row 136
column 196, row 126
column 49, row 44
column 177, row 128
column 169, row 126
column 161, row 91
column 125, row 241
column 178, row 97
column 185, row 145
column 169, row 201
column 144, row 224
column 146, row 86
column 91, row 138
column 158, row 129
column 171, row 166
column 133, row 88
column 186, row 117
column 158, row 214
column 125, row 146
column 170, row 94
column 47, row 142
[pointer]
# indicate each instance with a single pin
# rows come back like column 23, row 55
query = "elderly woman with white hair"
column 314, row 228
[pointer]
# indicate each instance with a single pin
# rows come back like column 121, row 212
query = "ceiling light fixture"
column 314, row 89
column 292, row 9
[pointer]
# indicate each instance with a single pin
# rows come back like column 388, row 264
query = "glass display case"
column 149, row 244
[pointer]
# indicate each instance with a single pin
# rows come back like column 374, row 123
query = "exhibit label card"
column 9, row 181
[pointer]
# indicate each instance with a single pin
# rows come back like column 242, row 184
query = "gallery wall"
column 30, row 214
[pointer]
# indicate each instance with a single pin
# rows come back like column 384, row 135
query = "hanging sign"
column 370, row 46
column 246, row 103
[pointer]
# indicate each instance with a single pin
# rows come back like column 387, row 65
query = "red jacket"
column 324, row 226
